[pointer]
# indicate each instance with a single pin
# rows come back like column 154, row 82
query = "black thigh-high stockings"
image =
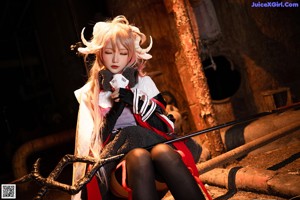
column 162, row 159
column 141, row 175
column 170, row 166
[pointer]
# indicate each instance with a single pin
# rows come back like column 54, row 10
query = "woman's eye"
column 108, row 52
column 124, row 53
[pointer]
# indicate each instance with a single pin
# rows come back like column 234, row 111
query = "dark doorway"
column 222, row 78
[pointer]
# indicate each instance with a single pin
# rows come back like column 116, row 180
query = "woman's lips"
column 114, row 66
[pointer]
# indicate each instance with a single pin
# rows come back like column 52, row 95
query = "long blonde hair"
column 117, row 30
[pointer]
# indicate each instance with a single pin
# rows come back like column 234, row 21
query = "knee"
column 163, row 152
column 138, row 157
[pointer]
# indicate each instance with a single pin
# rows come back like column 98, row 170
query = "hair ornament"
column 139, row 39
column 92, row 47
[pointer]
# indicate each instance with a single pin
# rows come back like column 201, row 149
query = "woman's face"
column 115, row 60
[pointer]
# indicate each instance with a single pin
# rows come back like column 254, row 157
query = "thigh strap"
column 122, row 190
column 196, row 176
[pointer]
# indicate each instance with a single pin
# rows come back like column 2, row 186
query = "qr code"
column 8, row 191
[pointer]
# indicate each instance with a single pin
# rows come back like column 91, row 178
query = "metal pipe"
column 255, row 180
column 27, row 149
column 247, row 148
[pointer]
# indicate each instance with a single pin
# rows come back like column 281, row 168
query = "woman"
column 121, row 110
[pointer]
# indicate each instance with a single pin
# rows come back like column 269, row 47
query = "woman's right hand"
column 123, row 95
column 115, row 95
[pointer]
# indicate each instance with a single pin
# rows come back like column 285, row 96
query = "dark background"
column 39, row 72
